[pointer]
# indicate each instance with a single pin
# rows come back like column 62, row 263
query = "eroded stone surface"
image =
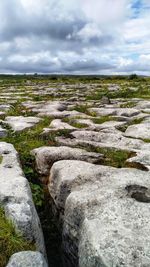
column 16, row 198
column 3, row 132
column 126, row 112
column 103, row 213
column 57, row 125
column 46, row 156
column 20, row 123
column 141, row 130
column 27, row 259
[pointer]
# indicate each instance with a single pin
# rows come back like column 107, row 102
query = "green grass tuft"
column 10, row 241
column 112, row 156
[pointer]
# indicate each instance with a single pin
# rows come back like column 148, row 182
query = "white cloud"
column 74, row 36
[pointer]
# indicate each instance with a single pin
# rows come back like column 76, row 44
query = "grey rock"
column 110, row 111
column 57, row 125
column 143, row 105
column 3, row 132
column 103, row 223
column 16, row 197
column 20, row 123
column 46, row 156
column 105, row 100
column 141, row 160
column 103, row 111
column 27, row 259
column 113, row 87
column 109, row 137
column 141, row 130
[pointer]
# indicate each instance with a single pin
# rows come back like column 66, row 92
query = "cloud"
column 75, row 36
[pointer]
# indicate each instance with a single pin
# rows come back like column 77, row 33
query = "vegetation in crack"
column 11, row 241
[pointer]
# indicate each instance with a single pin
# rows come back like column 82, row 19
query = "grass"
column 146, row 140
column 78, row 124
column 103, row 119
column 113, row 157
column 126, row 93
column 124, row 127
column 24, row 142
column 81, row 108
column 27, row 140
column 10, row 241
column 19, row 110
column 128, row 105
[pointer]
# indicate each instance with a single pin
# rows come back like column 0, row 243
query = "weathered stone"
column 108, row 124
column 126, row 112
column 143, row 105
column 3, row 132
column 103, row 111
column 57, row 125
column 20, row 123
column 141, row 130
column 113, row 87
column 103, row 213
column 105, row 100
column 27, row 259
column 16, row 197
column 141, row 160
column 109, row 137
column 5, row 107
column 46, row 156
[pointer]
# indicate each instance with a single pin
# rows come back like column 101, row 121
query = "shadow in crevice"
column 139, row 193
column 51, row 231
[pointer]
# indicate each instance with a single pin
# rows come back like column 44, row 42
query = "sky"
column 75, row 36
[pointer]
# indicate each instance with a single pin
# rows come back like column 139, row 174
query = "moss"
column 10, row 241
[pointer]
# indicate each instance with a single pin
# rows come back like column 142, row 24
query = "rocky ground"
column 83, row 147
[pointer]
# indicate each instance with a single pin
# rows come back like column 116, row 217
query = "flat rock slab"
column 60, row 125
column 3, row 132
column 20, row 123
column 141, row 130
column 53, row 109
column 106, row 213
column 143, row 105
column 57, row 125
column 108, row 124
column 46, row 156
column 109, row 137
column 90, row 125
column 27, row 259
column 16, row 197
column 125, row 112
column 4, row 107
column 142, row 159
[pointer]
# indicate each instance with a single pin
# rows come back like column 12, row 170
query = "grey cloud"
column 58, row 39
column 86, row 65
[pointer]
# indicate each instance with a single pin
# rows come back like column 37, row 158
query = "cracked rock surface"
column 16, row 197
column 87, row 142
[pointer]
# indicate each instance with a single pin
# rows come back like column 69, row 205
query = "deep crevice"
column 51, row 231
